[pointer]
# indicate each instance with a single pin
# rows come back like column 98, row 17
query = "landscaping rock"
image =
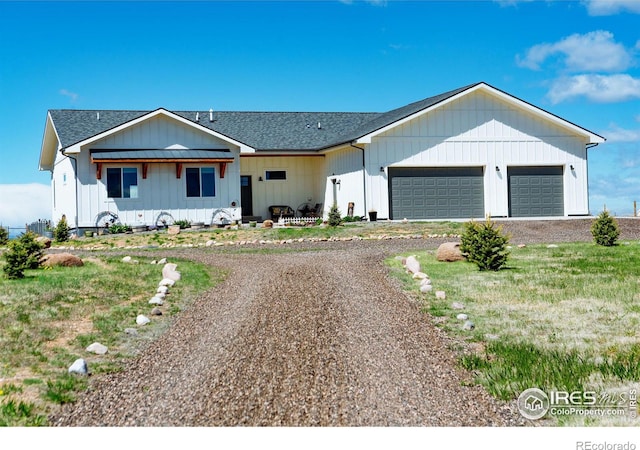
column 457, row 305
column 61, row 259
column 156, row 301
column 126, row 259
column 468, row 325
column 420, row 276
column 449, row 252
column 163, row 290
column 167, row 282
column 162, row 261
column 426, row 288
column 173, row 229
column 169, row 271
column 425, row 281
column 44, row 241
column 552, row 246
column 156, row 312
column 97, row 348
column 412, row 264
column 142, row 320
column 441, row 295
column 131, row 331
column 462, row 316
column 79, row 367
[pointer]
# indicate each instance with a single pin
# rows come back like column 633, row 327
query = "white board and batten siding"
column 479, row 130
column 345, row 165
column 161, row 191
column 302, row 183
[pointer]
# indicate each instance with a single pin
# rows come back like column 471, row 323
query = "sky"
column 576, row 59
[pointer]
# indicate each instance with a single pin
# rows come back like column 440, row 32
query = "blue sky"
column 577, row 59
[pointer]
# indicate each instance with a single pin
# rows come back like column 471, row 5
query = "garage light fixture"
column 497, row 168
column 571, row 167
column 381, row 169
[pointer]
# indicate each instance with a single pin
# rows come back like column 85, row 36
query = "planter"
column 48, row 234
column 88, row 234
column 173, row 229
column 373, row 216
column 253, row 224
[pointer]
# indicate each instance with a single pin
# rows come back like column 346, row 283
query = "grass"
column 565, row 318
column 48, row 319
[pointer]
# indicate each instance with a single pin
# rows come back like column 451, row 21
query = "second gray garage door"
column 535, row 191
column 436, row 193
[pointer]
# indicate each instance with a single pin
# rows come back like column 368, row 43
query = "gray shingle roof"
column 264, row 131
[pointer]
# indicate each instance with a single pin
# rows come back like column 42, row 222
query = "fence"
column 38, row 227
column 299, row 220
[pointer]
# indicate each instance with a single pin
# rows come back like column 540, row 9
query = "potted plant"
column 373, row 215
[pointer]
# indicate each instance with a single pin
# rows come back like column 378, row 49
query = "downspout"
column 586, row 156
column 75, row 178
column 364, row 179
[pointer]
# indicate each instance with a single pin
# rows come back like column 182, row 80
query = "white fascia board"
column 591, row 137
column 77, row 148
column 50, row 145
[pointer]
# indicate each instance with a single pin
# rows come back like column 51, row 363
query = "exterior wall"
column 63, row 188
column 345, row 165
column 479, row 130
column 303, row 183
column 161, row 191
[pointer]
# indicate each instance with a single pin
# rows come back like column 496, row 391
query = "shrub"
column 61, row 231
column 24, row 253
column 334, row 216
column 183, row 223
column 605, row 229
column 484, row 245
column 4, row 236
column 119, row 228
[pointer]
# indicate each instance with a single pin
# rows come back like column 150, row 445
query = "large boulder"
column 61, row 259
column 449, row 251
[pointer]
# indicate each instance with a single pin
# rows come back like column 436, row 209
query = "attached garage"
column 436, row 193
column 536, row 191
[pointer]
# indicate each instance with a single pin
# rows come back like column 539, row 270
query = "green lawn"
column 48, row 319
column 565, row 318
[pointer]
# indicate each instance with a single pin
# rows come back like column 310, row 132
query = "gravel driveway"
column 321, row 336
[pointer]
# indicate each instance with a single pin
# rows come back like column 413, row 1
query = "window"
column 201, row 182
column 276, row 174
column 122, row 183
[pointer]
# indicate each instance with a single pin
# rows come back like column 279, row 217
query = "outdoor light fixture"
column 259, row 178
column 497, row 169
column 381, row 169
column 571, row 167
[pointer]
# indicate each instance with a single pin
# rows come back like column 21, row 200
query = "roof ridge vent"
column 211, row 115
column 98, row 115
column 197, row 117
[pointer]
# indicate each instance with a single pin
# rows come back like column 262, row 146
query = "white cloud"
column 594, row 51
column 597, row 88
column 24, row 203
column 72, row 95
column 610, row 7
column 617, row 134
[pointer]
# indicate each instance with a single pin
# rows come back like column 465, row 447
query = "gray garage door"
column 535, row 191
column 436, row 193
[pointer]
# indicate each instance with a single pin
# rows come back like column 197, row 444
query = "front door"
column 246, row 197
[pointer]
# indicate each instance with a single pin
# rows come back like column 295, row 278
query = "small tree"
column 484, row 245
column 4, row 236
column 61, row 232
column 334, row 216
column 24, row 253
column 605, row 229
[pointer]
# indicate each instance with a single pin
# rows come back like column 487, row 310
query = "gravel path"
column 317, row 337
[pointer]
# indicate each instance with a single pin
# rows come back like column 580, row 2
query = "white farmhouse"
column 462, row 154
